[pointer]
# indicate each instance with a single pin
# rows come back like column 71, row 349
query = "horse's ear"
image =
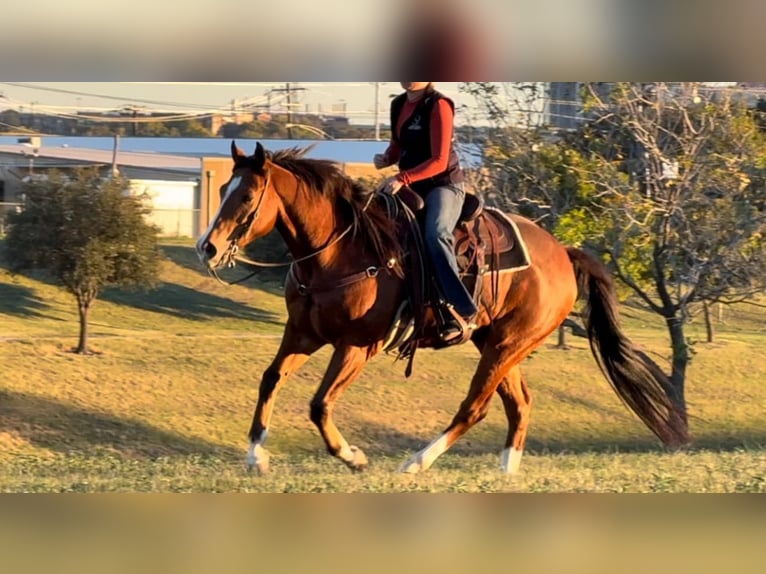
column 236, row 153
column 259, row 156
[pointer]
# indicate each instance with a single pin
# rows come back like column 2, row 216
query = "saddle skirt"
column 495, row 236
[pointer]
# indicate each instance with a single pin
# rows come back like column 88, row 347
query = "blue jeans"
column 442, row 210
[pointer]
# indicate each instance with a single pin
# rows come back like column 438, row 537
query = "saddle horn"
column 411, row 199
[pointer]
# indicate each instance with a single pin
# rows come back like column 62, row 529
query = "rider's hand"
column 391, row 185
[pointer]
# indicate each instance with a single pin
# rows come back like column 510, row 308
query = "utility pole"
column 377, row 111
column 115, row 170
column 289, row 112
column 288, row 91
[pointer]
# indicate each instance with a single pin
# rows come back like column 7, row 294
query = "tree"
column 10, row 119
column 87, row 233
column 666, row 182
column 681, row 202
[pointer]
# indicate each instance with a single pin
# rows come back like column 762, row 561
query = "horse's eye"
column 247, row 197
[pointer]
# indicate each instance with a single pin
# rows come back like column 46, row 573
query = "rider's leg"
column 442, row 210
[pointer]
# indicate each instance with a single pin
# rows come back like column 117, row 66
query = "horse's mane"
column 370, row 216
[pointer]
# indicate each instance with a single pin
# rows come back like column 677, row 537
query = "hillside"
column 166, row 402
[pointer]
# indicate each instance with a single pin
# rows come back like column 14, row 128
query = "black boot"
column 450, row 330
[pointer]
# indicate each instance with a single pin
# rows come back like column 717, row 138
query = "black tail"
column 637, row 380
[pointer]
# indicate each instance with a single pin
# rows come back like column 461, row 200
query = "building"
column 179, row 178
column 564, row 105
column 168, row 184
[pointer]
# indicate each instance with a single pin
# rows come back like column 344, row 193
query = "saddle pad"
column 502, row 242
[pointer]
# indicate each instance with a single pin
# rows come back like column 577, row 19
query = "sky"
column 201, row 97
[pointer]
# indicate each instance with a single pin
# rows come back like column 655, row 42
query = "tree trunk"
column 680, row 362
column 708, row 321
column 577, row 330
column 83, row 306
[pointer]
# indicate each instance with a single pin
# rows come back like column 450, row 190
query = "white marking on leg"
column 426, row 457
column 233, row 184
column 510, row 460
column 345, row 453
column 256, row 454
column 433, row 451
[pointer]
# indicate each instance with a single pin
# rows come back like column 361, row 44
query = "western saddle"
column 486, row 241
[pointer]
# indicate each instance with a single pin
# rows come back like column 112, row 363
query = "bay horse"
column 347, row 282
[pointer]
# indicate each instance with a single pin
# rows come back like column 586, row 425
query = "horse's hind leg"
column 517, row 402
column 293, row 352
column 499, row 358
column 495, row 362
column 346, row 364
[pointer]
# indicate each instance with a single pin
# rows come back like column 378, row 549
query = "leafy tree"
column 527, row 168
column 760, row 113
column 10, row 119
column 87, row 233
column 192, row 129
column 681, row 194
column 666, row 182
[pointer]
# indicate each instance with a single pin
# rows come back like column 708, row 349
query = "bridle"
column 231, row 256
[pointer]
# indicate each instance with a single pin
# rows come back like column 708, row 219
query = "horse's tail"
column 637, row 380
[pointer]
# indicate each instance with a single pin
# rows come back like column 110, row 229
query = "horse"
column 347, row 281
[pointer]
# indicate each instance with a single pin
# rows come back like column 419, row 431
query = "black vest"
column 415, row 141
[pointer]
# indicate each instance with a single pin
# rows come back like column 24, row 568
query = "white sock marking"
column 510, row 460
column 256, row 453
column 428, row 455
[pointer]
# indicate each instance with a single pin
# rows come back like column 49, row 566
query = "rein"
column 232, row 255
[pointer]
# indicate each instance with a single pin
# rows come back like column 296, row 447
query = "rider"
column 422, row 125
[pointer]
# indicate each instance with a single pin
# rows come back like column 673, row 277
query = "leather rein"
column 232, row 255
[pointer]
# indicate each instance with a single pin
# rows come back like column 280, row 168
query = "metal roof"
column 187, row 149
column 68, row 155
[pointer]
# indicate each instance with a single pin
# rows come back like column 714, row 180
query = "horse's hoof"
column 412, row 466
column 358, row 462
column 258, row 460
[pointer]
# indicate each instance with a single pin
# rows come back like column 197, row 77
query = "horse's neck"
column 308, row 223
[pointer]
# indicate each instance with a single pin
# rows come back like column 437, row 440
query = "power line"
column 101, row 96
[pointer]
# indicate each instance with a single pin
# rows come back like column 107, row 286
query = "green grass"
column 165, row 403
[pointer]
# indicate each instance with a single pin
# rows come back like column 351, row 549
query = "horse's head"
column 248, row 209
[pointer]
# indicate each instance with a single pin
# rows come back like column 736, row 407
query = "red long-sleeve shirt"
column 441, row 136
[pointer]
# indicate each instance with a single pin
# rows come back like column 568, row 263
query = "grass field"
column 165, row 403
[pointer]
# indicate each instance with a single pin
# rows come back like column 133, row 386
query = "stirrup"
column 465, row 328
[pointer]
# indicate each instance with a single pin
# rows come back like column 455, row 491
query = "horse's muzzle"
column 207, row 252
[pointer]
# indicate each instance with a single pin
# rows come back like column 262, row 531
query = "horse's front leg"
column 346, row 364
column 293, row 352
